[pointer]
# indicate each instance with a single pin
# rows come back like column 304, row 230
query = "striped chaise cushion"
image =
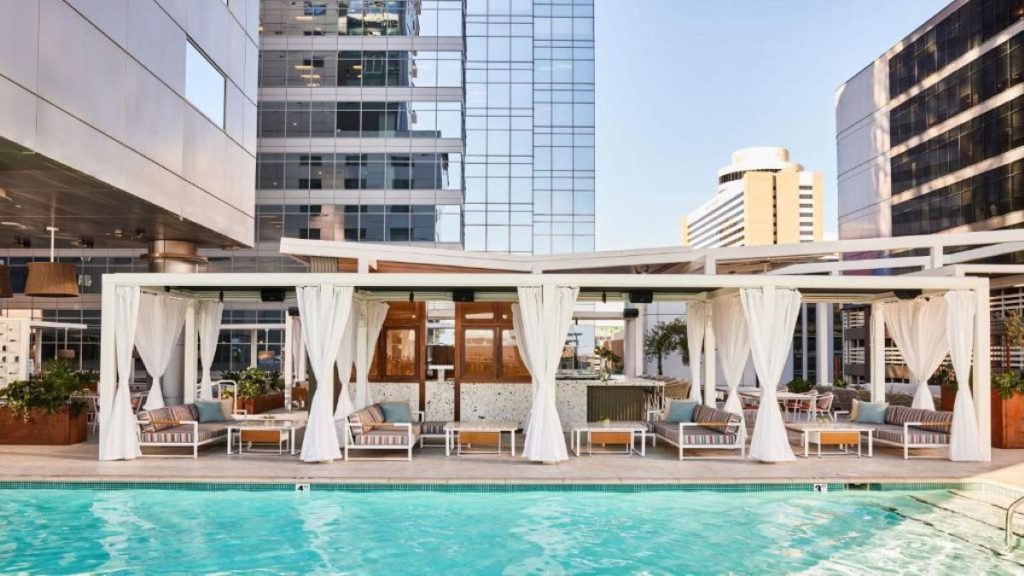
column 180, row 435
column 720, row 420
column 433, row 427
column 385, row 438
column 158, row 419
column 933, row 420
column 693, row 435
column 894, row 433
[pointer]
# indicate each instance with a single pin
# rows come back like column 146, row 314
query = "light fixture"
column 51, row 279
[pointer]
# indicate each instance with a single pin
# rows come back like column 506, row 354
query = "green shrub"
column 52, row 392
column 799, row 386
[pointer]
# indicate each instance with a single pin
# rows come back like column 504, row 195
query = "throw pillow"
column 680, row 411
column 210, row 412
column 872, row 412
column 854, row 410
column 396, row 411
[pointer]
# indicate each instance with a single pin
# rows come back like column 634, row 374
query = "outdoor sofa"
column 369, row 430
column 710, row 428
column 914, row 428
column 178, row 426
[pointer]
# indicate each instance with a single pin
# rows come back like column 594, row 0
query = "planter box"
column 1007, row 421
column 43, row 429
column 262, row 403
column 947, row 398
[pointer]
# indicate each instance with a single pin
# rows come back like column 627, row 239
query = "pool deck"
column 80, row 463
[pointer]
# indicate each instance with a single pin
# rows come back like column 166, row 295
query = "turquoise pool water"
column 46, row 531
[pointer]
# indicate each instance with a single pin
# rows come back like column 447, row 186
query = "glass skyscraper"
column 433, row 122
column 529, row 126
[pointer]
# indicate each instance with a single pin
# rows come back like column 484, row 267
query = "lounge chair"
column 178, row 426
column 369, row 431
column 914, row 428
column 710, row 429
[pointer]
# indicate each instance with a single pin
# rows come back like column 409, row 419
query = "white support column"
column 877, row 348
column 108, row 358
column 362, row 345
column 254, row 348
column 803, row 343
column 288, row 363
column 189, row 372
column 823, row 335
column 710, row 361
column 982, row 372
column 629, row 362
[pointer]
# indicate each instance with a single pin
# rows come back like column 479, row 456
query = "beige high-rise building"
column 763, row 198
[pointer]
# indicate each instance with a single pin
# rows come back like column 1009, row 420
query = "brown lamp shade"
column 51, row 280
column 266, row 355
column 66, row 354
column 5, row 281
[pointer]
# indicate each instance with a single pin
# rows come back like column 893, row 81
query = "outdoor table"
column 840, row 434
column 481, row 430
column 260, row 428
column 624, row 433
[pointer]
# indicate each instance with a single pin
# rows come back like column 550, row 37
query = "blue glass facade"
column 529, row 126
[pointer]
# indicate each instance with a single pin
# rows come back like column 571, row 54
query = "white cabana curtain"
column 346, row 356
column 730, row 326
column 208, row 325
column 541, row 321
column 696, row 316
column 325, row 310
column 919, row 329
column 964, row 442
column 156, row 336
column 771, row 315
column 374, row 313
column 120, row 434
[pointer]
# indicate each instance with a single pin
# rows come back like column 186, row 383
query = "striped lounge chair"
column 178, row 427
column 711, row 429
column 369, row 431
column 914, row 428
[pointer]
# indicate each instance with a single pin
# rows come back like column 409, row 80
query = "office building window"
column 968, row 27
column 204, row 85
column 994, row 132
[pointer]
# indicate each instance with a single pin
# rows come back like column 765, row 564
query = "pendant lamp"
column 51, row 279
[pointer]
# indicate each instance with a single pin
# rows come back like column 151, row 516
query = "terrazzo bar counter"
column 500, row 401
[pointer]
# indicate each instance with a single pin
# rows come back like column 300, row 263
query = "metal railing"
column 1009, row 521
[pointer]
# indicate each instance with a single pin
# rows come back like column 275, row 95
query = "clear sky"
column 683, row 83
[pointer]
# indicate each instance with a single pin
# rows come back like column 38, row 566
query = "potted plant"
column 258, row 390
column 1008, row 410
column 945, row 379
column 44, row 410
column 1008, row 390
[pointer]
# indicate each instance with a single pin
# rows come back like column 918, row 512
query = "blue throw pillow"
column 680, row 411
column 872, row 412
column 210, row 412
column 396, row 411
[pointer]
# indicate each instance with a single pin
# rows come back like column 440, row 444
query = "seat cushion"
column 433, row 427
column 718, row 420
column 894, row 433
column 693, row 435
column 158, row 419
column 933, row 420
column 385, row 438
column 396, row 411
column 179, row 435
column 376, row 413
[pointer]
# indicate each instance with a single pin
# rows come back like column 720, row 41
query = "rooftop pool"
column 196, row 528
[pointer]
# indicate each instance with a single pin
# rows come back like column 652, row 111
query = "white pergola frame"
column 683, row 287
